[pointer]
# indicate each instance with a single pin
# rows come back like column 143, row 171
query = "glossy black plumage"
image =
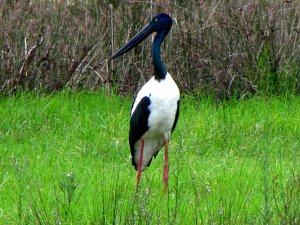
column 138, row 125
column 176, row 116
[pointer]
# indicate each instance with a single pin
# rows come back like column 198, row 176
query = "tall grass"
column 231, row 48
column 65, row 159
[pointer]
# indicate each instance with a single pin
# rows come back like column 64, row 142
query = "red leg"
column 166, row 165
column 139, row 172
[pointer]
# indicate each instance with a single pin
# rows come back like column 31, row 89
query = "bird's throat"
column 159, row 69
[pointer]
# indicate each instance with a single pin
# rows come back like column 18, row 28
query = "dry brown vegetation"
column 231, row 48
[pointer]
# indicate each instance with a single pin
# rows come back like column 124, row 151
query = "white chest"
column 164, row 96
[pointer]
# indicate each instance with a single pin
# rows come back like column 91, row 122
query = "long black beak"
column 133, row 42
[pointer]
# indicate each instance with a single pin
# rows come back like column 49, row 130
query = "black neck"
column 159, row 69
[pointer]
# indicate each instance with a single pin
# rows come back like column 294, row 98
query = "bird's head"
column 161, row 22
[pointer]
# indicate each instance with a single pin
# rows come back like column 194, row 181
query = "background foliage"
column 231, row 48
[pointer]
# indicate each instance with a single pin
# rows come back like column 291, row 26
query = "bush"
column 231, row 48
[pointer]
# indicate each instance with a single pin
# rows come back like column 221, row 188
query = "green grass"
column 64, row 159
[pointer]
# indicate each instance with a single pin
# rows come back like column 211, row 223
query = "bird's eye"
column 155, row 20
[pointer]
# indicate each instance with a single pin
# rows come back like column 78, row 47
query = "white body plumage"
column 164, row 96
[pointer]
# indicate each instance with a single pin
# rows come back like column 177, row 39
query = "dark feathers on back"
column 138, row 124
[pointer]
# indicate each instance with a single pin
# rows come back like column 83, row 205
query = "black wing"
column 138, row 124
column 176, row 116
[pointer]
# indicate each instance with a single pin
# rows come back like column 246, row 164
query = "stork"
column 155, row 110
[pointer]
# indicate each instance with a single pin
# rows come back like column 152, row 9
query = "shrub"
column 231, row 48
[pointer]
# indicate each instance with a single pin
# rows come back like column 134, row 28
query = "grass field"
column 64, row 159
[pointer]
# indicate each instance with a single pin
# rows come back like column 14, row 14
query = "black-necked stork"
column 155, row 110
